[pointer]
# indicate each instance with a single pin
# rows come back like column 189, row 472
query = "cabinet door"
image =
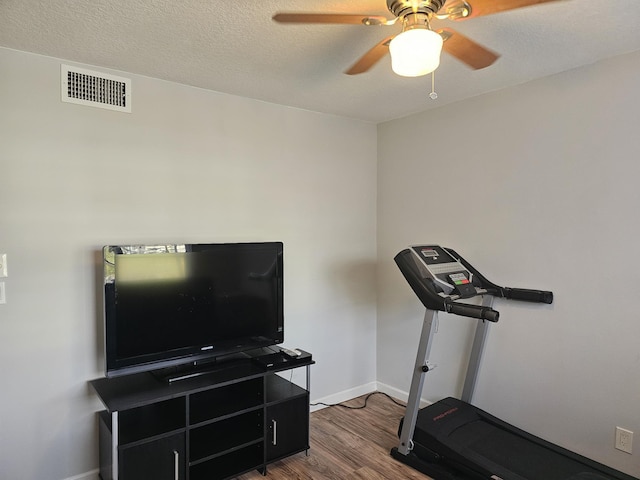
column 288, row 428
column 162, row 459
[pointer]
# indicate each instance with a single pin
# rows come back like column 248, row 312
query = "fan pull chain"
column 433, row 95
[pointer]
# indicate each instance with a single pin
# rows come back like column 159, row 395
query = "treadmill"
column 451, row 439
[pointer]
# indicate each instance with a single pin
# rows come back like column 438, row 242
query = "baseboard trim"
column 91, row 475
column 344, row 395
column 355, row 392
column 399, row 394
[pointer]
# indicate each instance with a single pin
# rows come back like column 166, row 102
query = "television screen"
column 167, row 305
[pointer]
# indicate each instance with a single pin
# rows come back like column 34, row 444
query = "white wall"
column 186, row 165
column 537, row 186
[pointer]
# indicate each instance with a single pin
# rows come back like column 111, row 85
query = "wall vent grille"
column 95, row 89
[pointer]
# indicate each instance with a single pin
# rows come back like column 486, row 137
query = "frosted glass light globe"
column 415, row 52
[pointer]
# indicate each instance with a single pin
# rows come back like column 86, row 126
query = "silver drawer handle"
column 176, row 465
column 275, row 432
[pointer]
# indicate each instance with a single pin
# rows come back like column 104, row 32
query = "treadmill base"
column 454, row 440
column 435, row 470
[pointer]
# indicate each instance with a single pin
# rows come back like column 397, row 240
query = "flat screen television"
column 172, row 305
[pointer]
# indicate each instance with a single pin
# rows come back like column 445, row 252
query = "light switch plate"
column 3, row 265
column 3, row 298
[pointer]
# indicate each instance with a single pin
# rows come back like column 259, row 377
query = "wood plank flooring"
column 348, row 445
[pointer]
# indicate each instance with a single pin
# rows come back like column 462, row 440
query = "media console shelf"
column 237, row 417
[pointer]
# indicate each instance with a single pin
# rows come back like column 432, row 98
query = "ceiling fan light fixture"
column 415, row 52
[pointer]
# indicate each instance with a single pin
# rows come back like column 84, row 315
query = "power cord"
column 366, row 399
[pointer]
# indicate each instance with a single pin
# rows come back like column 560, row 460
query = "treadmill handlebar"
column 523, row 294
column 426, row 291
column 473, row 311
column 526, row 295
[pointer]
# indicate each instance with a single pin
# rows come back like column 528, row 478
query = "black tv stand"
column 215, row 424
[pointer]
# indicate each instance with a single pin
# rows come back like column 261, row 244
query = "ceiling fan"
column 416, row 50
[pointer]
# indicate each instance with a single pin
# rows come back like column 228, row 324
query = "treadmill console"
column 448, row 275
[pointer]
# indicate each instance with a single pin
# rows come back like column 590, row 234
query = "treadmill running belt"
column 468, row 438
column 514, row 454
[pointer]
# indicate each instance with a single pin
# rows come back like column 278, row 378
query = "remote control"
column 291, row 353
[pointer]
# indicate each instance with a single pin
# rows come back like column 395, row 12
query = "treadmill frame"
column 405, row 450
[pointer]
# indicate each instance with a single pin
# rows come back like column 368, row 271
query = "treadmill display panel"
column 432, row 254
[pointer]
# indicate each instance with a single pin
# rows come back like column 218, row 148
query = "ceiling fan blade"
column 330, row 18
column 370, row 58
column 466, row 50
column 488, row 7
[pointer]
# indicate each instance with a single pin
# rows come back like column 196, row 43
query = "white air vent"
column 95, row 89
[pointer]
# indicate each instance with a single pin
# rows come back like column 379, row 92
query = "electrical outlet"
column 3, row 298
column 624, row 439
column 3, row 265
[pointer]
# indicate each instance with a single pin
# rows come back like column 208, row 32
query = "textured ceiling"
column 234, row 47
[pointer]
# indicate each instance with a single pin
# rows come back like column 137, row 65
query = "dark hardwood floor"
column 348, row 445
